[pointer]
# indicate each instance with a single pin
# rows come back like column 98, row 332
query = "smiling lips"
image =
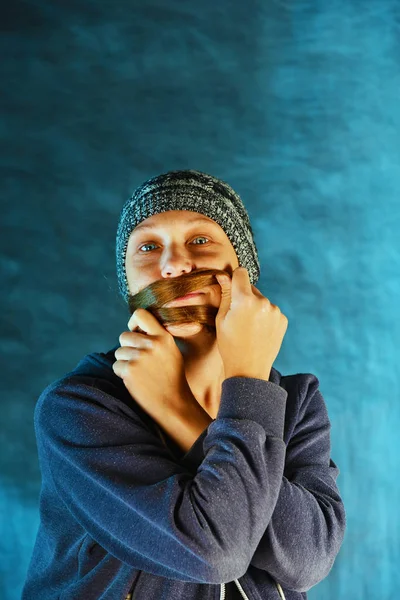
column 189, row 295
column 184, row 298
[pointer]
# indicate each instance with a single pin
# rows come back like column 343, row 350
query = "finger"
column 120, row 368
column 146, row 321
column 225, row 302
column 126, row 353
column 256, row 291
column 133, row 323
column 135, row 340
column 240, row 280
column 240, row 283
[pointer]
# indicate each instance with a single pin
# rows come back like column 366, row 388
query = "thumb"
column 225, row 283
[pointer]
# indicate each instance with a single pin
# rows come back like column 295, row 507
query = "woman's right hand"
column 249, row 329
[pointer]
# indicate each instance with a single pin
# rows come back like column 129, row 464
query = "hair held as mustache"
column 154, row 296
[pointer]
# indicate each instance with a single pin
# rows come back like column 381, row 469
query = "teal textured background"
column 297, row 105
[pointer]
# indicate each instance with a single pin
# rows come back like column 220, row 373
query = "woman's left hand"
column 152, row 367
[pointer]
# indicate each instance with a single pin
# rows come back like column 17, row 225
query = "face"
column 174, row 243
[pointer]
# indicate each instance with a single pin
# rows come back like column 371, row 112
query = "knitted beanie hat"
column 194, row 191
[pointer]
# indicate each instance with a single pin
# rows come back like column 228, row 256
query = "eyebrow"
column 191, row 221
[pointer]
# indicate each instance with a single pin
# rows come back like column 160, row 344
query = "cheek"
column 136, row 281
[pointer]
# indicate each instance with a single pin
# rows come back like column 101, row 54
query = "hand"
column 152, row 367
column 249, row 329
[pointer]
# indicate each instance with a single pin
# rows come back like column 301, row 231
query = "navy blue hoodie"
column 123, row 510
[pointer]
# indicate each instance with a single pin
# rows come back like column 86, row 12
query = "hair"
column 154, row 296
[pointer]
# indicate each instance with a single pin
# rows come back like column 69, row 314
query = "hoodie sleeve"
column 307, row 526
column 123, row 487
column 308, row 523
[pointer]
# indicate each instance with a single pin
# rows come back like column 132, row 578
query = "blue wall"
column 297, row 105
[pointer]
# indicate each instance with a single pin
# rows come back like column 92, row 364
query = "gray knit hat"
column 188, row 190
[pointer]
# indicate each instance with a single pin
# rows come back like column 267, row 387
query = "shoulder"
column 90, row 391
column 304, row 399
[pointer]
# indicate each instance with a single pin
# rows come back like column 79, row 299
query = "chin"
column 184, row 330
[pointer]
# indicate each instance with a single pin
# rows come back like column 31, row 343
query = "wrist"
column 239, row 373
column 186, row 422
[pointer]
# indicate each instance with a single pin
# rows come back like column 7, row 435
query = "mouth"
column 189, row 295
column 184, row 298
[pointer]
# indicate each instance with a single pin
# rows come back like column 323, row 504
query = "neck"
column 201, row 355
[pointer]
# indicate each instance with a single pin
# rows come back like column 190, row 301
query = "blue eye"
column 153, row 244
column 200, row 237
column 146, row 245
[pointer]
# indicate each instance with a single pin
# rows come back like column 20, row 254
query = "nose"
column 175, row 266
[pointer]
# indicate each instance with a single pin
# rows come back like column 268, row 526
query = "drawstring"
column 280, row 590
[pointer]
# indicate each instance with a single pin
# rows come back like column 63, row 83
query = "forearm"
column 186, row 423
column 305, row 532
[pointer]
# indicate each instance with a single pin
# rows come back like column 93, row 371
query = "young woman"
column 181, row 465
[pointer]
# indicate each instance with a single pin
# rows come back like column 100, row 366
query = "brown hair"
column 154, row 296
